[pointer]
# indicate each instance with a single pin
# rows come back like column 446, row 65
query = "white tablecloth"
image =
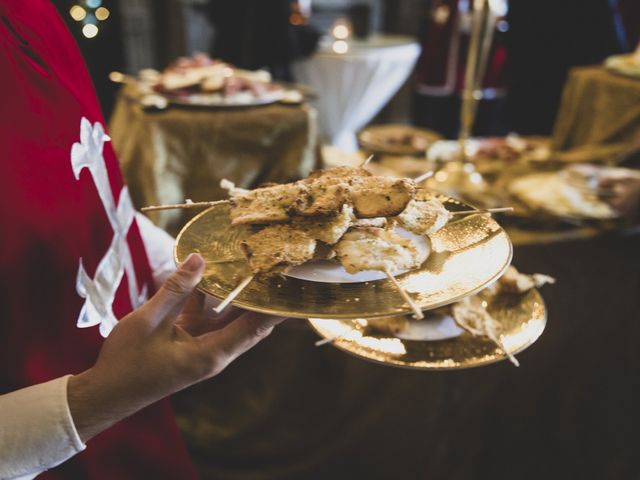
column 354, row 86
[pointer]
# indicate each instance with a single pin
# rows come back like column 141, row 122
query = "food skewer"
column 471, row 314
column 501, row 346
column 188, row 204
column 423, row 177
column 373, row 248
column 324, row 341
column 233, row 294
column 417, row 313
column 321, row 209
column 366, row 162
column 484, row 210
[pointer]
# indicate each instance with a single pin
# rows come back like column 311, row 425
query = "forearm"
column 36, row 430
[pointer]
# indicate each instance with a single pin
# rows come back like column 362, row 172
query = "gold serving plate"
column 467, row 254
column 523, row 319
column 376, row 139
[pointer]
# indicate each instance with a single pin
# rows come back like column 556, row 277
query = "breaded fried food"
column 373, row 248
column 515, row 282
column 380, row 196
column 328, row 190
column 324, row 252
column 277, row 247
column 267, row 205
column 343, row 174
column 324, row 198
column 424, row 216
column 471, row 314
column 378, row 222
column 327, row 229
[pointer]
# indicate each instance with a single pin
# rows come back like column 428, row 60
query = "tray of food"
column 493, row 325
column 344, row 243
column 490, row 155
column 397, row 139
column 570, row 194
column 200, row 81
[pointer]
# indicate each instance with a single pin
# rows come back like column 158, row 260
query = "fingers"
column 240, row 335
column 167, row 303
column 195, row 303
column 198, row 317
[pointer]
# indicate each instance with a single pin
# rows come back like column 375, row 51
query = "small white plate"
column 330, row 271
column 433, row 327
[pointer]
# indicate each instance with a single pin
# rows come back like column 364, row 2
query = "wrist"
column 95, row 406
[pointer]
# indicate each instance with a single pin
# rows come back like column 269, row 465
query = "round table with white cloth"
column 353, row 86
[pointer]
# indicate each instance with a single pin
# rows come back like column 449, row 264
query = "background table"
column 168, row 156
column 599, row 116
column 354, row 86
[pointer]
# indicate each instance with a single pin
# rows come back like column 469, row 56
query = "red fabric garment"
column 50, row 221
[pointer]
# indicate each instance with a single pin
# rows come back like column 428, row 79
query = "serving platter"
column 384, row 139
column 216, row 100
column 522, row 318
column 466, row 255
column 551, row 193
column 491, row 155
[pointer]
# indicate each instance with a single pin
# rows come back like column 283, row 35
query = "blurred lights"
column 117, row 77
column 340, row 46
column 341, row 32
column 499, row 7
column 77, row 13
column 475, row 178
column 296, row 19
column 102, row 13
column 90, row 30
column 89, row 12
column 441, row 176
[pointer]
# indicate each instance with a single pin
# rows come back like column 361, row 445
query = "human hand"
column 167, row 344
column 622, row 194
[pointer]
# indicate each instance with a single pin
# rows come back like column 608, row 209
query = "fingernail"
column 192, row 263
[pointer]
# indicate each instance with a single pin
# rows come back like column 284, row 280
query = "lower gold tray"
column 522, row 317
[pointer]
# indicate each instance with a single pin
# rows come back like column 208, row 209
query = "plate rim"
column 177, row 100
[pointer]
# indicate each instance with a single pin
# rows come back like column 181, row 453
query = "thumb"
column 167, row 303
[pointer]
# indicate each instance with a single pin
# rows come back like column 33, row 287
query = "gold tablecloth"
column 599, row 116
column 179, row 153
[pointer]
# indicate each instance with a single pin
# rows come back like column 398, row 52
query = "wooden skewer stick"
column 233, row 294
column 423, row 177
column 486, row 210
column 324, row 341
column 417, row 313
column 154, row 208
column 500, row 345
column 366, row 162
